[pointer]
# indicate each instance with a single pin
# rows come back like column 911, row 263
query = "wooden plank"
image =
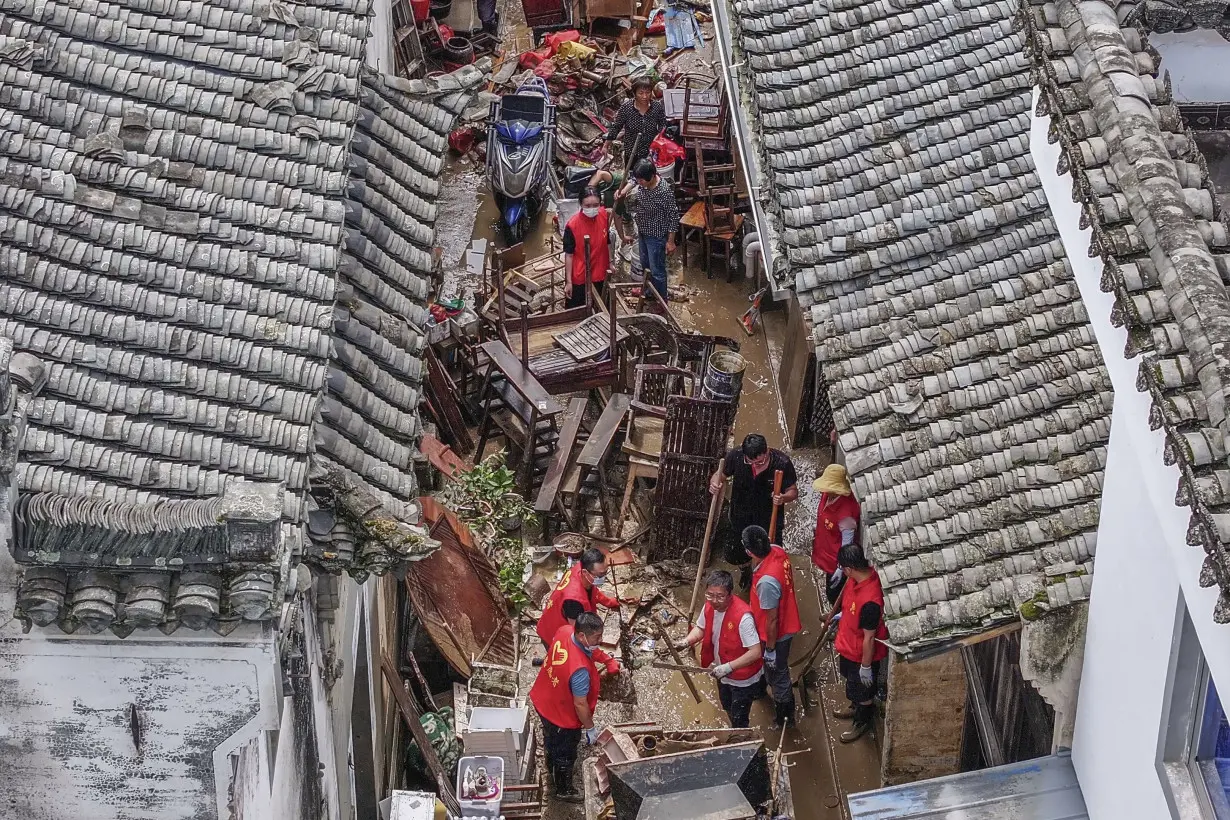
column 521, row 378
column 603, row 434
column 410, row 715
column 563, row 456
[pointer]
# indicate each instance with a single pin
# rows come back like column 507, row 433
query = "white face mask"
column 590, row 212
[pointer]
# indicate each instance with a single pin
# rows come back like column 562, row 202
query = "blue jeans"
column 653, row 259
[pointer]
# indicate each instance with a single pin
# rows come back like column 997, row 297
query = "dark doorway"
column 1006, row 720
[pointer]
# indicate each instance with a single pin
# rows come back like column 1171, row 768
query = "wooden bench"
column 549, row 493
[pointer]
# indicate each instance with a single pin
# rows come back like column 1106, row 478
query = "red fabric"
column 730, row 645
column 599, row 245
column 570, row 588
column 550, row 694
column 854, row 594
column 833, row 510
column 530, row 59
column 776, row 565
column 557, row 38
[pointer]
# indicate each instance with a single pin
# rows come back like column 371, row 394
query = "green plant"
column 485, row 498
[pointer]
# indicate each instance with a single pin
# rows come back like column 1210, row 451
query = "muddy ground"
column 824, row 769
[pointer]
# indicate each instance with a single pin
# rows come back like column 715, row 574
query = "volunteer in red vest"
column 729, row 647
column 565, row 694
column 777, row 617
column 593, row 221
column 836, row 525
column 860, row 636
column 576, row 592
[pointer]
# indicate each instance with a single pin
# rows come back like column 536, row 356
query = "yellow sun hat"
column 833, row 480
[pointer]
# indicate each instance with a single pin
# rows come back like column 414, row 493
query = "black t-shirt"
column 869, row 616
column 751, row 497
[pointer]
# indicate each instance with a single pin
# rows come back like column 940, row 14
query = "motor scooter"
column 520, row 147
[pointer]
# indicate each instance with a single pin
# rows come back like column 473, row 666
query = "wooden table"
column 693, row 224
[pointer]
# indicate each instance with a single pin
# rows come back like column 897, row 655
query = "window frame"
column 1190, row 724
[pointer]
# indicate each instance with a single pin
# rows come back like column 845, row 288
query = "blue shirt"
column 579, row 682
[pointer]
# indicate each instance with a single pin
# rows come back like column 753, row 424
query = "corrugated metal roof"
column 1041, row 789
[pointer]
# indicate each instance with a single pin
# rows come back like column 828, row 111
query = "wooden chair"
column 549, row 500
column 588, row 477
column 655, row 384
column 719, row 192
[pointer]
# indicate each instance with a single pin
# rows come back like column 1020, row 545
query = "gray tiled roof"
column 1165, row 248
column 1180, row 15
column 967, row 387
column 192, row 244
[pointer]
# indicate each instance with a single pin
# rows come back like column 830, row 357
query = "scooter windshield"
column 517, row 132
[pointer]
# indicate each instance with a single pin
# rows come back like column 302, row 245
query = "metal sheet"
column 455, row 592
column 1041, row 789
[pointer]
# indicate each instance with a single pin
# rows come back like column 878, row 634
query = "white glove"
column 864, row 675
column 836, row 577
column 591, row 736
column 722, row 670
column 682, row 644
column 770, row 656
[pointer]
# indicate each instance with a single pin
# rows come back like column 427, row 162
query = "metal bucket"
column 723, row 376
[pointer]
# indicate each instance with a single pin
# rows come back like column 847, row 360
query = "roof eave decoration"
column 1147, row 198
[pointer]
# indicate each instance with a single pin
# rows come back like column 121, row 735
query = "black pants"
column 559, row 744
column 862, row 697
column 735, row 554
column 577, row 299
column 737, row 701
column 777, row 676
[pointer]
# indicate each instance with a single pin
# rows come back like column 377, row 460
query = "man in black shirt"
column 751, row 467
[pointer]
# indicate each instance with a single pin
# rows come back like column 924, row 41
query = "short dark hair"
column 756, row 541
column 588, row 623
column 851, row 557
column 754, row 446
column 591, row 558
column 721, row 578
column 571, row 609
column 587, row 193
column 645, row 170
column 641, row 82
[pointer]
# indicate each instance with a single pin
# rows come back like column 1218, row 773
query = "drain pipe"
column 752, row 251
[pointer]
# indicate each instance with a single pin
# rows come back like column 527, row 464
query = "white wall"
column 1143, row 565
column 380, row 37
column 1199, row 64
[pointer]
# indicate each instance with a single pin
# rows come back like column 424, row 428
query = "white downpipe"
column 752, row 251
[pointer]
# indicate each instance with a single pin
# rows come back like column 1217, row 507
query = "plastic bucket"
column 421, row 9
column 723, row 376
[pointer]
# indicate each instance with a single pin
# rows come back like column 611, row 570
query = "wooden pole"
column 589, row 276
column 662, row 636
column 777, row 489
column 714, row 506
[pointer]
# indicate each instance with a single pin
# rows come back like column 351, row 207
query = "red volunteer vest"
column 776, row 565
column 827, row 541
column 550, row 694
column 570, row 588
column 730, row 645
column 599, row 246
column 849, row 642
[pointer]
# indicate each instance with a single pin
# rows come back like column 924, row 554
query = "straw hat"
column 833, row 480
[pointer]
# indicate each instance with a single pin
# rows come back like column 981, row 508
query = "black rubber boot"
column 564, row 790
column 783, row 716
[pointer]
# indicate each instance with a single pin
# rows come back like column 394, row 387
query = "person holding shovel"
column 860, row 639
column 576, row 592
column 564, row 695
column 731, row 650
column 836, row 526
column 753, row 468
column 777, row 617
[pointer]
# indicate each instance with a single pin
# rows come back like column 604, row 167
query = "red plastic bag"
column 665, row 151
column 553, row 40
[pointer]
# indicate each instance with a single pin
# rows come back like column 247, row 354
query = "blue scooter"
column 520, row 147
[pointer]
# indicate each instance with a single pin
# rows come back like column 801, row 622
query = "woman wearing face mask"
column 594, row 221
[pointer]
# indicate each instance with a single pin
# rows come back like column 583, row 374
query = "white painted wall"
column 380, row 37
column 1199, row 65
column 1143, row 565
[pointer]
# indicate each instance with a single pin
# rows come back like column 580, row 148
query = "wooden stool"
column 724, row 238
column 692, row 226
